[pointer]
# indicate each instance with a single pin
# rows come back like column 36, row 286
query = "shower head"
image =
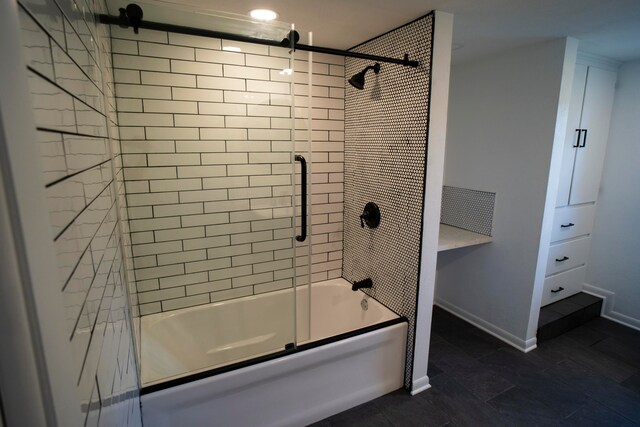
column 357, row 80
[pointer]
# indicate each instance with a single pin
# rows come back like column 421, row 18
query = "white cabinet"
column 583, row 158
column 587, row 133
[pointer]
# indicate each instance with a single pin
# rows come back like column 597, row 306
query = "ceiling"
column 481, row 27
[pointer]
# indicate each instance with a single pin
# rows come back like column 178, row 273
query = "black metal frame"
column 132, row 17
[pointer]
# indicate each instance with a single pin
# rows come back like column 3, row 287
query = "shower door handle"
column 303, row 174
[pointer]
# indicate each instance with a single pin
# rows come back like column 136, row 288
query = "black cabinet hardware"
column 555, row 291
column 584, row 138
column 564, row 258
column 567, row 225
column 577, row 144
column 303, row 174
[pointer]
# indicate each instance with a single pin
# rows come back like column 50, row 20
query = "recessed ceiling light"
column 232, row 49
column 263, row 14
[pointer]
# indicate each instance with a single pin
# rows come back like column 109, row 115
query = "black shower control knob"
column 370, row 215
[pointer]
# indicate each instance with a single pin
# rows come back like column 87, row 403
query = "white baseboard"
column 420, row 385
column 518, row 343
column 608, row 304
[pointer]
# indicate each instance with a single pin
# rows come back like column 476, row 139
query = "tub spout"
column 366, row 283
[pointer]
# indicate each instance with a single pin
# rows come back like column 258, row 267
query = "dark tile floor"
column 589, row 376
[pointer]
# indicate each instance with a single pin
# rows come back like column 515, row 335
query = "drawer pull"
column 564, row 258
column 555, row 291
column 567, row 225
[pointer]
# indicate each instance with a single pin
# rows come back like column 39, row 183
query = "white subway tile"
column 284, row 274
column 124, row 46
column 155, row 106
column 253, row 215
column 133, row 62
column 207, row 82
column 165, row 51
column 147, row 146
column 247, row 122
column 267, row 62
column 271, row 224
column 149, row 173
column 139, row 212
column 269, row 180
column 251, row 259
column 173, row 159
column 153, row 296
column 147, row 285
column 194, row 41
column 212, row 264
column 234, row 170
column 126, row 76
column 151, row 308
column 273, row 286
column 172, row 133
column 225, row 182
column 145, row 119
column 234, row 228
column 268, row 87
column 151, row 199
column 206, row 219
column 271, row 158
column 153, row 224
column 238, row 282
column 226, row 251
column 335, row 92
column 202, row 195
column 246, row 47
column 243, row 72
column 220, row 57
column 224, row 134
column 248, row 146
column 270, row 134
column 180, row 209
column 336, row 115
column 196, row 68
column 201, row 288
column 237, row 239
column 129, row 105
column 187, row 94
column 273, row 266
column 268, row 111
column 182, row 280
column 206, row 242
column 200, row 146
column 190, row 301
column 336, row 70
column 156, row 248
column 201, row 171
column 176, row 184
column 141, row 91
column 249, row 193
column 272, row 245
column 168, row 79
column 224, row 158
column 226, row 206
column 142, row 237
column 146, row 35
column 201, row 121
column 155, row 272
column 230, row 294
column 246, row 97
column 178, row 234
column 132, row 160
column 181, row 256
column 222, row 109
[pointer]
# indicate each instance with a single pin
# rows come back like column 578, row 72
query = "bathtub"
column 241, row 374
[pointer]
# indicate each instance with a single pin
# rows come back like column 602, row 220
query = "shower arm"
column 128, row 19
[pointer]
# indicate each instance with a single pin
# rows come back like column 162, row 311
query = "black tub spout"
column 366, row 283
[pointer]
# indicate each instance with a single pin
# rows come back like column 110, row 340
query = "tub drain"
column 364, row 304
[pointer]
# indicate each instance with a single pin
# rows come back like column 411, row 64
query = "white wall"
column 613, row 263
column 502, row 119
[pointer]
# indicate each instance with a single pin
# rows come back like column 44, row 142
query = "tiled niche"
column 70, row 81
column 206, row 141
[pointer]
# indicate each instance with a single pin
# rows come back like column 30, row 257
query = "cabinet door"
column 573, row 123
column 596, row 116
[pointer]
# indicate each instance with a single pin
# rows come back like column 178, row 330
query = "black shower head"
column 357, row 80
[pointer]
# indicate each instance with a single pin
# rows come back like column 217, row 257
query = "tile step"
column 562, row 316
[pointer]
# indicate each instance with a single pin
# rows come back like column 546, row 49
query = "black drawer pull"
column 555, row 291
column 567, row 225
column 564, row 258
column 577, row 144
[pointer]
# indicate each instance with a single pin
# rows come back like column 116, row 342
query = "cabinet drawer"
column 572, row 222
column 564, row 256
column 563, row 285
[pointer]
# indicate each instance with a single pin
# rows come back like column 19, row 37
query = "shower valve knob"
column 370, row 215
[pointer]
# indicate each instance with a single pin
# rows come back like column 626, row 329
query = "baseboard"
column 518, row 343
column 608, row 311
column 420, row 385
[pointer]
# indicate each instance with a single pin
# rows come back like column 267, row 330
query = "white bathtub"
column 298, row 388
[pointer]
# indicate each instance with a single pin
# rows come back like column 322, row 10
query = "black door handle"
column 555, row 291
column 584, row 139
column 567, row 225
column 303, row 174
column 564, row 258
column 577, row 144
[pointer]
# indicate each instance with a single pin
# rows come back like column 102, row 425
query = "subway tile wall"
column 206, row 142
column 70, row 81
